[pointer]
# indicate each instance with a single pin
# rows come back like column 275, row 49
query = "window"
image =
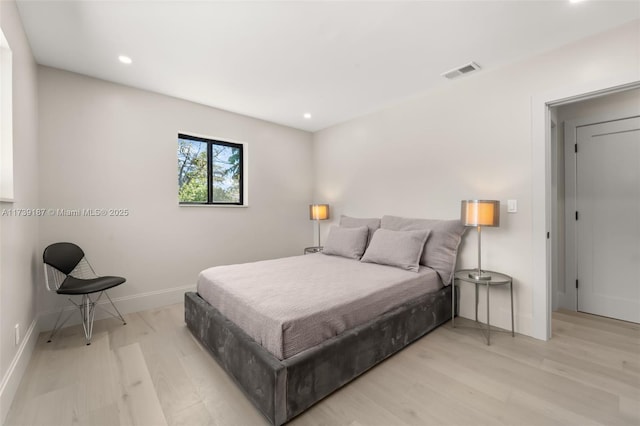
column 209, row 171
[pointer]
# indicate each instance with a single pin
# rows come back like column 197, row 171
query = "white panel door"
column 608, row 221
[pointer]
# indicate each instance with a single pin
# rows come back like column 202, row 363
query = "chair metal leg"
column 57, row 327
column 87, row 311
column 87, row 308
column 114, row 307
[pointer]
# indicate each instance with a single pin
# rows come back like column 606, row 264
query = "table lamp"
column 318, row 212
column 480, row 213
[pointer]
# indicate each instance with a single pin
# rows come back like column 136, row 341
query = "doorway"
column 596, row 253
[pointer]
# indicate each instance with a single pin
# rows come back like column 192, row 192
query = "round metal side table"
column 311, row 250
column 496, row 279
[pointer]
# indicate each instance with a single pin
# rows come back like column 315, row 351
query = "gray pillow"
column 396, row 248
column 441, row 248
column 346, row 242
column 354, row 222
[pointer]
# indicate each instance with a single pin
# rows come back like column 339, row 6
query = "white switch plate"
column 512, row 206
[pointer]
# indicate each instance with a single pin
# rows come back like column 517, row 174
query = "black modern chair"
column 68, row 272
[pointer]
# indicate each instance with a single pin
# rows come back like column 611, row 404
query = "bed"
column 291, row 331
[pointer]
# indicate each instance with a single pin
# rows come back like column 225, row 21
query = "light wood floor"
column 152, row 372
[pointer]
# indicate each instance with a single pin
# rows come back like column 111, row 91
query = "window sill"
column 224, row 206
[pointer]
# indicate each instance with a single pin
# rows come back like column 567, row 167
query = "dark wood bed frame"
column 282, row 389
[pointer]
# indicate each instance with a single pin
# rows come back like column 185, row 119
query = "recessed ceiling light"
column 307, row 115
column 124, row 59
column 575, row 1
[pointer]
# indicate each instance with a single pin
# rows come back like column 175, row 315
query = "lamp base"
column 480, row 275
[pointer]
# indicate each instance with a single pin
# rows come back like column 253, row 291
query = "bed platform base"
column 282, row 389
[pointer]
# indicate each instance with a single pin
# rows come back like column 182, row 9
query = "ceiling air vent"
column 464, row 69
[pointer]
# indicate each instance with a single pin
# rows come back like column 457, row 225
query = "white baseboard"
column 13, row 376
column 125, row 304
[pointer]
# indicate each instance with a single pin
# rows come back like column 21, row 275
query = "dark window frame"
column 210, row 142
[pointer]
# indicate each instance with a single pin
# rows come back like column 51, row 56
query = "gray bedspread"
column 291, row 304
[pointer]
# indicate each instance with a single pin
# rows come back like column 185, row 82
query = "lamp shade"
column 319, row 211
column 480, row 213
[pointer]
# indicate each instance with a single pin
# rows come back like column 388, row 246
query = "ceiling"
column 278, row 60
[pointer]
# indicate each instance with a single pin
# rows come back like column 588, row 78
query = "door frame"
column 542, row 214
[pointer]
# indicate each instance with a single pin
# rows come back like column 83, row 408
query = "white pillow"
column 397, row 248
column 346, row 242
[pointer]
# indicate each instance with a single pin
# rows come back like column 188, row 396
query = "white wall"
column 471, row 139
column 104, row 145
column 19, row 252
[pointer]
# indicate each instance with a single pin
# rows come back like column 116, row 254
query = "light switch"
column 512, row 206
